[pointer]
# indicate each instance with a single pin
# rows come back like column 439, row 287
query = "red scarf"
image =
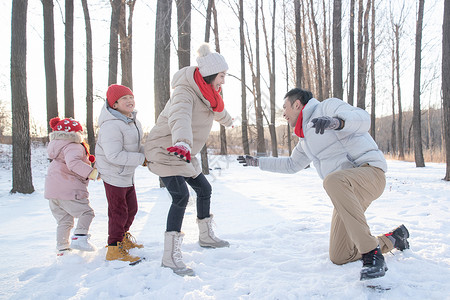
column 299, row 125
column 209, row 92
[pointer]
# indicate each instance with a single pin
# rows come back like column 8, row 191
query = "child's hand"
column 93, row 175
column 182, row 150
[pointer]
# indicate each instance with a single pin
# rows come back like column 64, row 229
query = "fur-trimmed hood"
column 71, row 136
column 60, row 139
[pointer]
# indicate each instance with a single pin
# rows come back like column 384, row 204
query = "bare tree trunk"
column 184, row 32
column 306, row 74
column 126, row 43
column 360, row 52
column 270, row 55
column 161, row 79
column 208, row 20
column 393, row 136
column 372, row 74
column 89, row 79
column 204, row 151
column 116, row 6
column 326, row 54
column 223, row 141
column 123, row 45
column 337, row 50
column 363, row 45
column 446, row 84
column 410, row 137
column 351, row 85
column 311, row 63
column 272, row 89
column 260, row 143
column 223, row 135
column 49, row 62
column 418, row 154
column 298, row 45
column 286, row 67
column 401, row 151
column 162, row 55
column 129, row 56
column 243, row 91
column 318, row 55
column 69, row 109
column 22, row 181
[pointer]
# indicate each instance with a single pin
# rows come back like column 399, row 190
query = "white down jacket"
column 334, row 150
column 118, row 150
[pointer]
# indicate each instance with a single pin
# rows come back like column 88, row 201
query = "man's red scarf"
column 299, row 125
column 209, row 92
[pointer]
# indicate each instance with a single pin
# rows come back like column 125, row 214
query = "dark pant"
column 176, row 185
column 122, row 207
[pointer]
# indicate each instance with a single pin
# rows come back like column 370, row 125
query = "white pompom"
column 203, row 50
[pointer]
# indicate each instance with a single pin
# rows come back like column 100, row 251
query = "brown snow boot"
column 120, row 253
column 129, row 242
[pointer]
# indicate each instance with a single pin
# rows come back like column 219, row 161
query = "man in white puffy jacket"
column 334, row 136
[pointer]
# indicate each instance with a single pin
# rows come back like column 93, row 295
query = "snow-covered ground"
column 278, row 227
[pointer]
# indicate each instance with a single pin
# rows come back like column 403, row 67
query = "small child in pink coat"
column 66, row 184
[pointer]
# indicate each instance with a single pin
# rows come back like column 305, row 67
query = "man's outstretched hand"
column 248, row 160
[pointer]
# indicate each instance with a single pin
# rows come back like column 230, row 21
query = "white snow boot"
column 81, row 242
column 206, row 237
column 172, row 257
column 63, row 252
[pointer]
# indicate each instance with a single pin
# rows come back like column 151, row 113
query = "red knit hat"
column 65, row 125
column 115, row 92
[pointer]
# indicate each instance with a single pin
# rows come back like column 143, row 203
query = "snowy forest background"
column 386, row 57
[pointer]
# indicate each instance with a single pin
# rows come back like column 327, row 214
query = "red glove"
column 182, row 150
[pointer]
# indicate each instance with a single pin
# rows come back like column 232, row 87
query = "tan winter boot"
column 172, row 257
column 207, row 237
column 129, row 242
column 119, row 253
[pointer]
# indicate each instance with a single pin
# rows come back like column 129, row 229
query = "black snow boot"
column 373, row 264
column 399, row 236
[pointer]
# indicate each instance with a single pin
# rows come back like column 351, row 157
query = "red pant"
column 122, row 207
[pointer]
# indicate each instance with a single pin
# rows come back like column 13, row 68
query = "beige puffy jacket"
column 187, row 117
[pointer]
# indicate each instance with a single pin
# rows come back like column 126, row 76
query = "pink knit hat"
column 115, row 92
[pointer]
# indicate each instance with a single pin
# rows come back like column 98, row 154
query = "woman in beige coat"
column 180, row 133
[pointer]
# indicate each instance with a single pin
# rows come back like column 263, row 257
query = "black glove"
column 248, row 160
column 326, row 123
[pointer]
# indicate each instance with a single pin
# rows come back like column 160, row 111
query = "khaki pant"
column 64, row 212
column 351, row 192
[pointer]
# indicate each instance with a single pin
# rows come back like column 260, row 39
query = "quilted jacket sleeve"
column 180, row 116
column 223, row 118
column 296, row 162
column 76, row 160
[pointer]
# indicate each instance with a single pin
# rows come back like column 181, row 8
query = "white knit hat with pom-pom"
column 210, row 63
